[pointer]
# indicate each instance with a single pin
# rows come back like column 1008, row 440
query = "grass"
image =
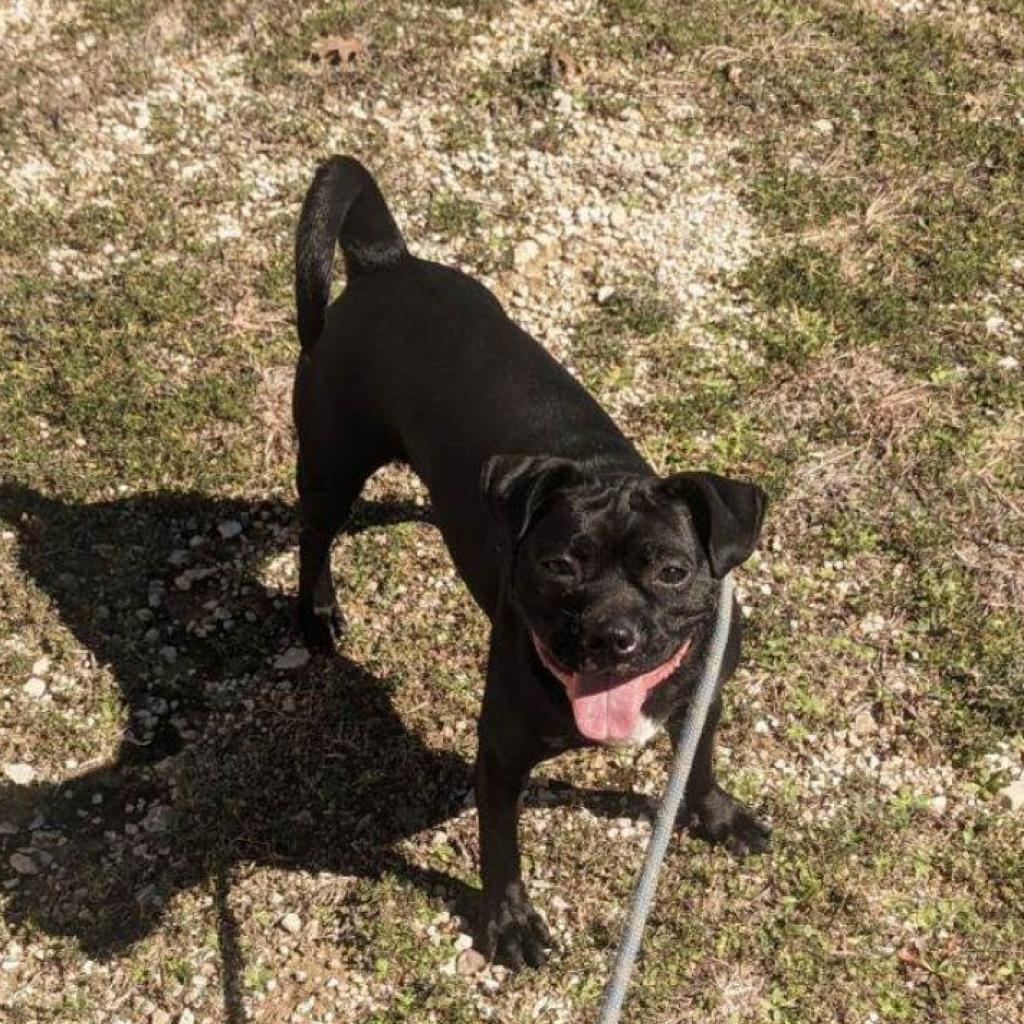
column 604, row 344
column 860, row 357
column 899, row 214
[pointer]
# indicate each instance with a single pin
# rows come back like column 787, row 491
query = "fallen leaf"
column 912, row 958
column 562, row 68
column 346, row 51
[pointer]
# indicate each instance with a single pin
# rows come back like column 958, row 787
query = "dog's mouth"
column 608, row 710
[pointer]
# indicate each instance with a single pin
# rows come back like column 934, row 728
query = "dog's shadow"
column 223, row 758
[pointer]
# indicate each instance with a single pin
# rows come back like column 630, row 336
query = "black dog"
column 599, row 578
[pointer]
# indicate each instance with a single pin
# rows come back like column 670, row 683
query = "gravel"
column 291, row 923
column 23, row 864
column 20, row 774
column 35, row 687
column 619, row 199
column 1012, row 796
column 230, row 528
column 470, row 962
column 293, row 658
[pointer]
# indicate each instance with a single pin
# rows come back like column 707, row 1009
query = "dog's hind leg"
column 323, row 510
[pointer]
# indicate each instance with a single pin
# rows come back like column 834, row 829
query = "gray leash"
column 643, row 894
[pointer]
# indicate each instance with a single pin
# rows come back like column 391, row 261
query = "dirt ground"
column 782, row 239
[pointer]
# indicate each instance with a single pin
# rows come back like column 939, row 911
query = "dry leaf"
column 346, row 51
column 912, row 958
column 562, row 68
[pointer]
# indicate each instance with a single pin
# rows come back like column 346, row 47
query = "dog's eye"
column 673, row 575
column 560, row 567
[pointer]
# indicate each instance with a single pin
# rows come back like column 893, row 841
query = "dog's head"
column 616, row 578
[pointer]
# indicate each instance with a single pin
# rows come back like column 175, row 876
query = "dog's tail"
column 343, row 206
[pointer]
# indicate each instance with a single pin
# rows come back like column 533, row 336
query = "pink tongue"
column 606, row 712
column 611, row 714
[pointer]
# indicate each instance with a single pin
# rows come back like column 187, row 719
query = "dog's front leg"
column 720, row 816
column 508, row 927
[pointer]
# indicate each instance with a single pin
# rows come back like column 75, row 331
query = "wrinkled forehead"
column 613, row 515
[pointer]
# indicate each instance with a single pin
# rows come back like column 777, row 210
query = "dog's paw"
column 510, row 931
column 721, row 818
column 320, row 629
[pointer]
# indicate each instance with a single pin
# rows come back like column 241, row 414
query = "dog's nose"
column 613, row 639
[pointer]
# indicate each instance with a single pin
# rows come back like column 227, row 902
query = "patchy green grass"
column 605, row 344
column 861, row 358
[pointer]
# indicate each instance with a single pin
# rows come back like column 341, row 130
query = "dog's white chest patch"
column 644, row 731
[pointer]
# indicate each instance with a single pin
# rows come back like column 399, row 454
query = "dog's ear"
column 515, row 488
column 726, row 513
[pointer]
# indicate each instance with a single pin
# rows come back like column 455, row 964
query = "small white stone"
column 604, row 293
column 1012, row 796
column 872, row 623
column 187, row 1017
column 184, row 580
column 864, row 724
column 463, row 942
column 937, row 805
column 291, row 923
column 35, row 687
column 229, row 528
column 823, row 126
column 1008, row 363
column 563, row 101
column 24, row 864
column 294, row 657
column 618, row 217
column 20, row 774
column 159, row 818
column 470, row 962
column 525, row 253
column 41, row 666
